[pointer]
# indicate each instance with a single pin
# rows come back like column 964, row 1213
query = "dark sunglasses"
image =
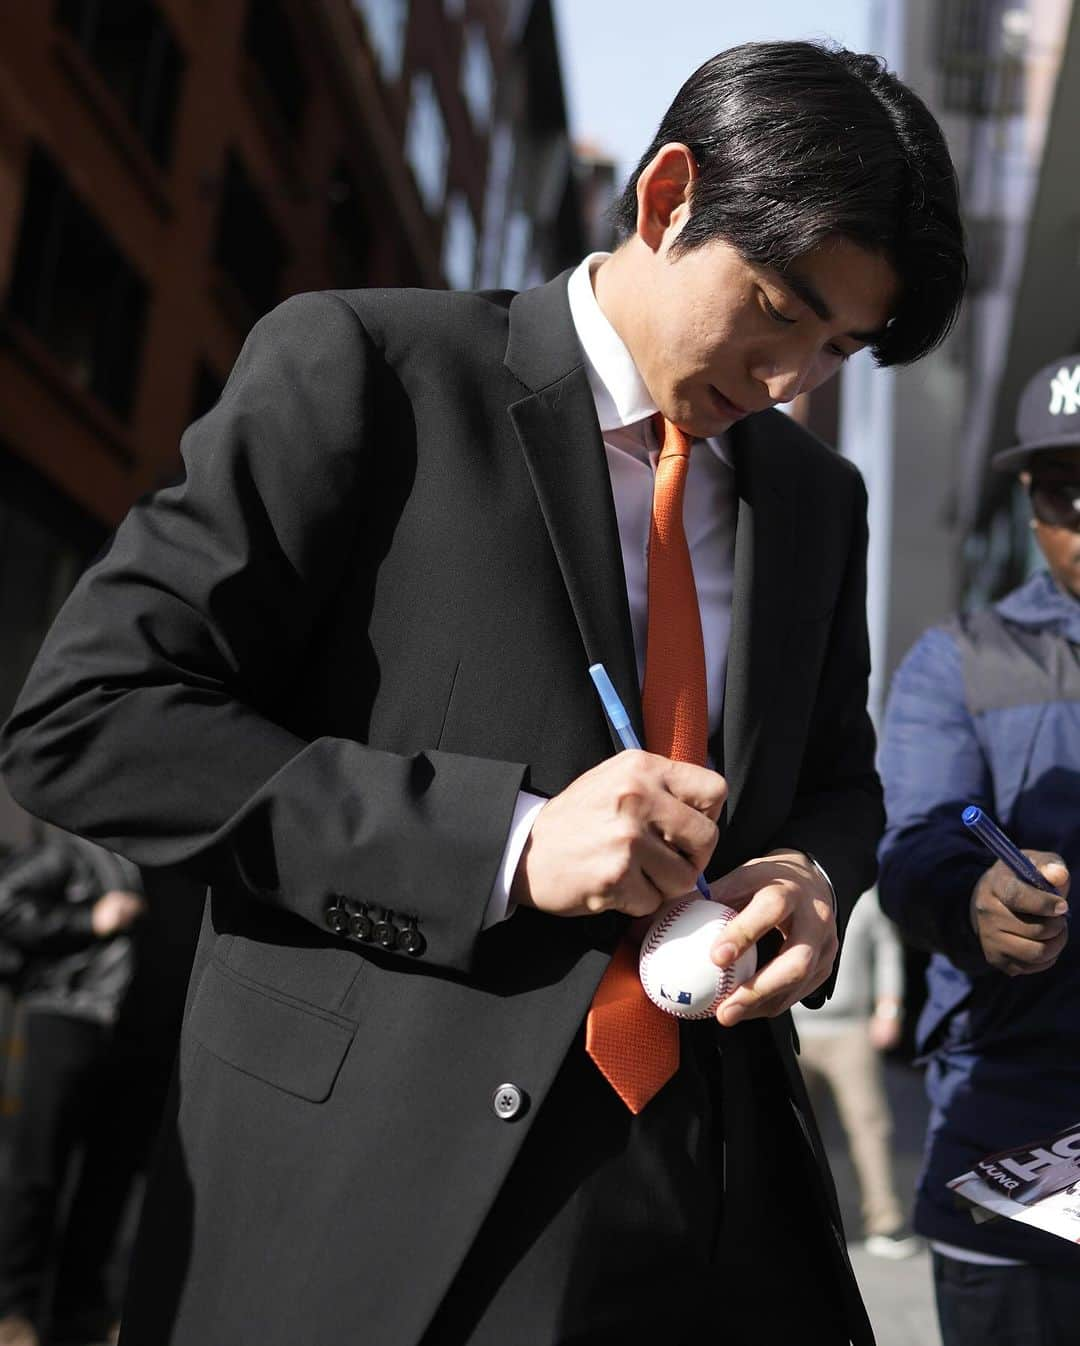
column 1056, row 503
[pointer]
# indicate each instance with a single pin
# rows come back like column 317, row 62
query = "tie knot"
column 674, row 443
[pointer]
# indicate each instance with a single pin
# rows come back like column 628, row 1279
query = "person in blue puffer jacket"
column 986, row 710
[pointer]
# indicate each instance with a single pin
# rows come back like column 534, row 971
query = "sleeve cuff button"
column 412, row 942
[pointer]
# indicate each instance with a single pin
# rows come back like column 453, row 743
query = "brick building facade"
column 171, row 169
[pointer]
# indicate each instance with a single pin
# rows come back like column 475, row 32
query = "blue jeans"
column 1006, row 1306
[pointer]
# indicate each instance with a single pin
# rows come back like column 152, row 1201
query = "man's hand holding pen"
column 634, row 833
column 629, row 835
column 1021, row 929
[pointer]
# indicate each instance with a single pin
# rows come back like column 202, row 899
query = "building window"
column 349, row 229
column 477, row 77
column 249, row 248
column 980, row 49
column 45, row 541
column 271, row 45
column 517, row 251
column 386, row 21
column 73, row 288
column 427, row 146
column 496, row 196
column 129, row 44
column 459, row 244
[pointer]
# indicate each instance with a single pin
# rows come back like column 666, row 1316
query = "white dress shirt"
column 625, row 409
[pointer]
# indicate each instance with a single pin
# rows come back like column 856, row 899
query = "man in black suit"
column 340, row 673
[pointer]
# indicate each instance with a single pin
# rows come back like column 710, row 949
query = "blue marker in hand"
column 995, row 840
column 620, row 722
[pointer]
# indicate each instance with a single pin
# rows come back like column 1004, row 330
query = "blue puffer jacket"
column 986, row 710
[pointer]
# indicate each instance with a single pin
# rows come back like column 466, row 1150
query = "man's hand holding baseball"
column 628, row 835
column 1021, row 929
column 780, row 891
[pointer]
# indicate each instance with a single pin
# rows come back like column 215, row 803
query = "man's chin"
column 699, row 424
column 718, row 425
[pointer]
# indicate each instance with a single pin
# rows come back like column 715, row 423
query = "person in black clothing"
column 72, row 920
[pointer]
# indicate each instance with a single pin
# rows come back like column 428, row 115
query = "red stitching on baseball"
column 657, row 931
column 727, row 974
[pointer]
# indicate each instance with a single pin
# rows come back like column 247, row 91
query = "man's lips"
column 726, row 405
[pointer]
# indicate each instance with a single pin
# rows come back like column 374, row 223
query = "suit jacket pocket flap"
column 292, row 1046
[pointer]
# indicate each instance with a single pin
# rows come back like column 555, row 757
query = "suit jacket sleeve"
column 153, row 720
column 837, row 812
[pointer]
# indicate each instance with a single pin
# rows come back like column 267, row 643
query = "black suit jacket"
column 322, row 667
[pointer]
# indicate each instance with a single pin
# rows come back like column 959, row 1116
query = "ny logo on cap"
column 1065, row 392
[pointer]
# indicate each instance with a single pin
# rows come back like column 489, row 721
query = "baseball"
column 675, row 968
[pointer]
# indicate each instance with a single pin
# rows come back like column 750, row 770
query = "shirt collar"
column 618, row 389
column 619, row 392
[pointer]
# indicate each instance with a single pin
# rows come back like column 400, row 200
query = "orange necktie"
column 634, row 1044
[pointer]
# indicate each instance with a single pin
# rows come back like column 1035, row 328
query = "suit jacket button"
column 337, row 919
column 360, row 925
column 508, row 1102
column 411, row 941
column 386, row 934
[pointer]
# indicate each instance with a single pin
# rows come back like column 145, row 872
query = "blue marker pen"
column 995, row 840
column 620, row 722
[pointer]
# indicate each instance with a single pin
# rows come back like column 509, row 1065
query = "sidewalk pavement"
column 899, row 1296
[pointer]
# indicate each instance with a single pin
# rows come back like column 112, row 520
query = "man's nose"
column 785, row 376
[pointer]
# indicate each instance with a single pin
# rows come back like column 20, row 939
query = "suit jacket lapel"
column 766, row 540
column 560, row 438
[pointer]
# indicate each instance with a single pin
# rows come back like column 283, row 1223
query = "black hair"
column 795, row 142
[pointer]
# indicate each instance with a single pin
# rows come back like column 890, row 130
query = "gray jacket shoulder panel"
column 1007, row 665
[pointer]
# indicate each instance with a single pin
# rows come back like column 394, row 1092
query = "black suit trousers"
column 612, row 1227
column 606, row 1227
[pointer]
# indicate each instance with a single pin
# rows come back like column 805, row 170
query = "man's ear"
column 664, row 187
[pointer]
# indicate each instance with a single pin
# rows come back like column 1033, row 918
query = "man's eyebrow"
column 812, row 297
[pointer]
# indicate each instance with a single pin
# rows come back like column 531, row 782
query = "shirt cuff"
column 499, row 906
column 821, row 871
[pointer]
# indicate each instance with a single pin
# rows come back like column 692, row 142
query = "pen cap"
column 616, row 711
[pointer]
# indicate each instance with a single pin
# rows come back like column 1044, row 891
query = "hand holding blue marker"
column 995, row 840
column 620, row 722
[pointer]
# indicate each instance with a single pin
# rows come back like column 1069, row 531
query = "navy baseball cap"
column 1048, row 416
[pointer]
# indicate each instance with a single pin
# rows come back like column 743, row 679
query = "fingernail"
column 1061, row 908
column 723, row 954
